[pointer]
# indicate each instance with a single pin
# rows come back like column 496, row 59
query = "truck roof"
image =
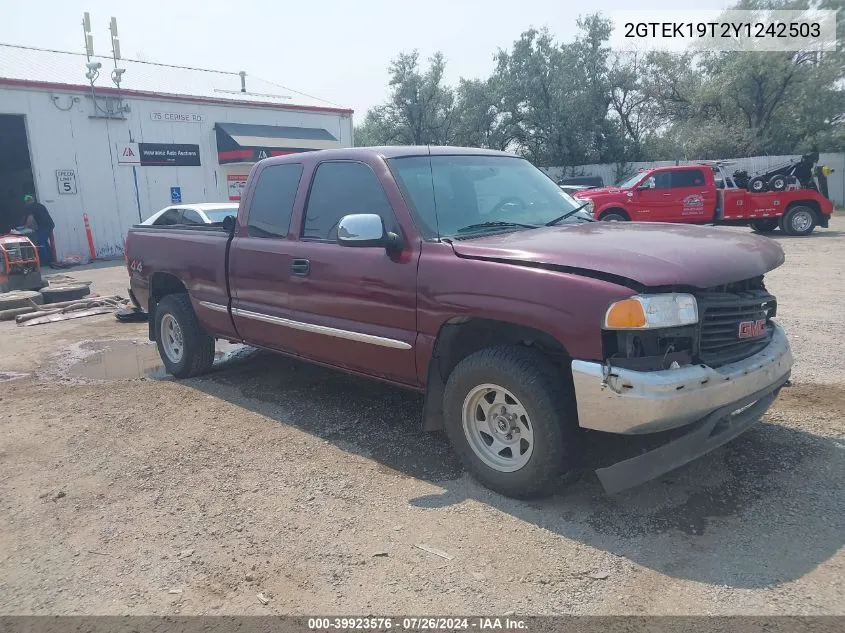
column 391, row 151
column 674, row 167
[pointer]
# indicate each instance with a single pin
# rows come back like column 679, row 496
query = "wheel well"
column 621, row 212
column 161, row 285
column 460, row 337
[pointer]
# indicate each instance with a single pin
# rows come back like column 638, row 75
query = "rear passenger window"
column 688, row 178
column 191, row 217
column 169, row 218
column 272, row 202
column 343, row 188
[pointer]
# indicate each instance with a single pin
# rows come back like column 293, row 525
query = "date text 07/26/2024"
column 415, row 624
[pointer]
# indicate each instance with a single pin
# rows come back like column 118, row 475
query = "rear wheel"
column 798, row 220
column 185, row 349
column 613, row 216
column 764, row 226
column 510, row 417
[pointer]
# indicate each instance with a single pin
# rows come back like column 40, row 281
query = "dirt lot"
column 123, row 491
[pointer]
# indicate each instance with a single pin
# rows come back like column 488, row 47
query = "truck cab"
column 665, row 194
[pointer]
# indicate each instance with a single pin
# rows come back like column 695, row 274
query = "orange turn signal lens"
column 626, row 314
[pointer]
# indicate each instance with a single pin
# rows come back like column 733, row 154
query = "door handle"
column 667, row 195
column 301, row 267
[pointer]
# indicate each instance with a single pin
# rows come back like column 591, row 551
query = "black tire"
column 778, row 183
column 197, row 355
column 757, row 185
column 767, row 225
column 548, row 400
column 20, row 299
column 71, row 292
column 613, row 216
column 798, row 220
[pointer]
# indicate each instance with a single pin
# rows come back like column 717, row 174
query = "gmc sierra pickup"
column 468, row 275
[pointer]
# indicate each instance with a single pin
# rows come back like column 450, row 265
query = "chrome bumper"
column 634, row 402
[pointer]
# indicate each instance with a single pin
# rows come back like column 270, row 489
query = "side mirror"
column 366, row 230
column 229, row 224
column 648, row 183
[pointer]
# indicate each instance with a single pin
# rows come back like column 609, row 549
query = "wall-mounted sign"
column 158, row 154
column 236, row 186
column 128, row 154
column 169, row 155
column 66, row 180
column 177, row 117
column 175, row 195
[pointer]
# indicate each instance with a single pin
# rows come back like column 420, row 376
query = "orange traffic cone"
column 91, row 250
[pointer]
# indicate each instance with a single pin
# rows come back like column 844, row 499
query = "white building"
column 168, row 134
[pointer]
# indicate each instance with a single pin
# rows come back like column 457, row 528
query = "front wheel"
column 764, row 226
column 185, row 349
column 510, row 417
column 798, row 220
column 613, row 216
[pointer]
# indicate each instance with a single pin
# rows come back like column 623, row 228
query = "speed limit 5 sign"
column 66, row 179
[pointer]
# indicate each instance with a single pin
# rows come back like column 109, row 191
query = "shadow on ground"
column 764, row 510
column 819, row 233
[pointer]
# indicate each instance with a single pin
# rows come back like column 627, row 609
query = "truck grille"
column 735, row 321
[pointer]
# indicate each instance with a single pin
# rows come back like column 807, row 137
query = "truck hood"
column 650, row 254
column 589, row 194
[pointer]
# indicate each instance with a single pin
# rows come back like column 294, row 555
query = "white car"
column 203, row 213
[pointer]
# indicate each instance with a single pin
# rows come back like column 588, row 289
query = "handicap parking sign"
column 175, row 195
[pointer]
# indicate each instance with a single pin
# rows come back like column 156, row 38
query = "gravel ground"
column 125, row 492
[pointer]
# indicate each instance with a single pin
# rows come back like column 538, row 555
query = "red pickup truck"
column 689, row 194
column 469, row 276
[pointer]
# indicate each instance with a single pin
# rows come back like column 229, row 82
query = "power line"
column 134, row 61
column 304, row 94
column 176, row 66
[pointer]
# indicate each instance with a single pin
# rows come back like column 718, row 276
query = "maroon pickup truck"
column 469, row 276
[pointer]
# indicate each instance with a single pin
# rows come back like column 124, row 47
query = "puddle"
column 127, row 360
column 6, row 376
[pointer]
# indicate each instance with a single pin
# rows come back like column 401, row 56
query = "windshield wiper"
column 494, row 224
column 567, row 214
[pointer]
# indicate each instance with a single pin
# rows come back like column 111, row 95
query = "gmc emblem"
column 752, row 329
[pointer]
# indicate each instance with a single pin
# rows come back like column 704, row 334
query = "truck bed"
column 195, row 256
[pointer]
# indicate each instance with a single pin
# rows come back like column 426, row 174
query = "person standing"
column 38, row 219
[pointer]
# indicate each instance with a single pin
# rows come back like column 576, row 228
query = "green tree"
column 420, row 110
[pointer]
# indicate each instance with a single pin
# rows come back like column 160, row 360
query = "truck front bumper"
column 717, row 403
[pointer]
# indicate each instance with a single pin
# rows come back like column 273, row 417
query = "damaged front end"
column 716, row 377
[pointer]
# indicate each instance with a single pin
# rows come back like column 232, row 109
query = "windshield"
column 456, row 195
column 217, row 215
column 630, row 182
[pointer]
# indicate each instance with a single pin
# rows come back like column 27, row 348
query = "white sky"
column 338, row 50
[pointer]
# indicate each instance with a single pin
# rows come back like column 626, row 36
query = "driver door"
column 650, row 203
column 354, row 308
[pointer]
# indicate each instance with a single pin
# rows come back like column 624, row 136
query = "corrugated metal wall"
column 610, row 172
column 63, row 135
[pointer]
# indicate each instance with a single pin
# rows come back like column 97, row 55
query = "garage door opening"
column 16, row 178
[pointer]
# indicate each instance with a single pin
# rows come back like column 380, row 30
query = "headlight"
column 646, row 312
